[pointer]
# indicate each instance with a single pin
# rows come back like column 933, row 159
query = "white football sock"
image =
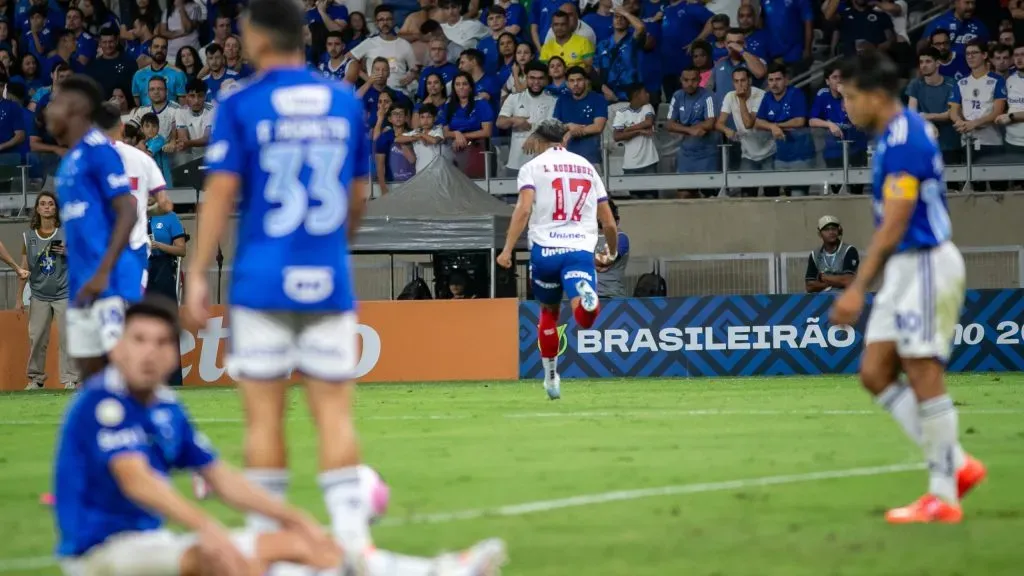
column 939, row 426
column 345, row 497
column 272, row 480
column 384, row 563
column 899, row 400
column 550, row 367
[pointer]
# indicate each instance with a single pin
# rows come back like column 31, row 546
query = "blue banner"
column 775, row 335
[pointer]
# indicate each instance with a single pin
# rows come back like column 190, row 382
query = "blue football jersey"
column 296, row 141
column 103, row 422
column 908, row 165
column 90, row 176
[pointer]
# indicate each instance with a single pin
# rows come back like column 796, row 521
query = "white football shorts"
column 919, row 303
column 153, row 553
column 93, row 331
column 270, row 345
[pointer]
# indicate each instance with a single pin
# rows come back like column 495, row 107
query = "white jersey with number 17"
column 567, row 190
column 146, row 180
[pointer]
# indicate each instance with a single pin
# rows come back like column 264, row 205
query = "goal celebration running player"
column 563, row 197
column 914, row 314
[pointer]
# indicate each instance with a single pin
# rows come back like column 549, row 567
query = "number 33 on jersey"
column 566, row 194
column 296, row 142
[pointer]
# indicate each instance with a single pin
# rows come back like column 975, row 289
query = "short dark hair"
column 427, row 109
column 88, row 89
column 383, row 8
column 131, row 131
column 195, row 85
column 17, row 91
column 158, row 307
column 929, row 52
column 214, row 48
column 79, row 10
column 429, row 27
column 701, row 45
column 41, row 10
column 940, row 31
column 157, row 79
column 560, row 14
column 109, row 30
column 977, row 43
column 149, row 118
column 109, row 116
column 474, row 55
column 736, row 31
column 336, row 34
column 495, row 9
column 744, row 70
column 59, row 67
column 778, row 68
column 872, row 71
column 632, row 89
column 536, row 66
column 282, row 21
column 720, row 18
column 576, row 70
column 996, row 48
column 690, row 68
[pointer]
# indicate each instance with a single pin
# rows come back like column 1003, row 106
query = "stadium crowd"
column 660, row 85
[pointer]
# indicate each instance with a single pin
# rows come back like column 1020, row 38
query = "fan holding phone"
column 43, row 256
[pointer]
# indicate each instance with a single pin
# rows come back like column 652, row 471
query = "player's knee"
column 875, row 378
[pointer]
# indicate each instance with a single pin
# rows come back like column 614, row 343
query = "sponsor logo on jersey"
column 555, row 235
column 308, row 285
column 110, row 440
column 579, row 274
column 73, row 210
column 548, row 252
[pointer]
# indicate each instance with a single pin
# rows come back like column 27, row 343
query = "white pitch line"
column 585, row 414
column 12, row 565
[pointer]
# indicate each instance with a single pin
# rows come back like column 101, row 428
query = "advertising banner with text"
column 404, row 341
column 753, row 336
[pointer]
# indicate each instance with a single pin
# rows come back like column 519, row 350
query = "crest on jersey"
column 109, row 412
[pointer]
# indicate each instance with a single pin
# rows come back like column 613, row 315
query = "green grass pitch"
column 739, row 456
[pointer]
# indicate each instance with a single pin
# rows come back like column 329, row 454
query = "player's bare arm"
column 142, row 485
column 900, row 197
column 520, row 217
column 611, row 232
column 124, row 208
column 6, row 257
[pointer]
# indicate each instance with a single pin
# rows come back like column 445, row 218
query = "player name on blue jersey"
column 908, row 166
column 296, row 141
column 102, row 423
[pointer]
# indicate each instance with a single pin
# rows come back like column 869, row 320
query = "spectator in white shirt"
column 181, row 25
column 757, row 147
column 166, row 110
column 1013, row 119
column 195, row 119
column 979, row 98
column 465, row 32
column 429, row 143
column 524, row 110
column 635, row 127
column 397, row 51
column 221, row 31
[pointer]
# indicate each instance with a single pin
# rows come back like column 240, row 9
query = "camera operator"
column 42, row 254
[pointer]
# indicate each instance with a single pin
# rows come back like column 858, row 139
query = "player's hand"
column 92, row 289
column 197, row 310
column 220, row 554
column 847, row 308
column 505, row 259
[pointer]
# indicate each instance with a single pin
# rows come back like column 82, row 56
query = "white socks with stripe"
column 899, row 400
column 939, row 427
column 272, row 480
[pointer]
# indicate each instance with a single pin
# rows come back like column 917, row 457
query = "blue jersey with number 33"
column 908, row 166
column 296, row 141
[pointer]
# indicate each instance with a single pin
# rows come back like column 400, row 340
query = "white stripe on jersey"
column 146, row 178
column 567, row 189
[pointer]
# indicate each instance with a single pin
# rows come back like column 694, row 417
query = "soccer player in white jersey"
column 914, row 315
column 562, row 196
column 292, row 147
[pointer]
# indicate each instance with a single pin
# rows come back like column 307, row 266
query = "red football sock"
column 585, row 319
column 547, row 333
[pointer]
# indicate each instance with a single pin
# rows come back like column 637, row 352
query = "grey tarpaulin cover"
column 437, row 209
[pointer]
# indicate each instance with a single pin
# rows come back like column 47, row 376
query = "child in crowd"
column 153, row 143
column 635, row 127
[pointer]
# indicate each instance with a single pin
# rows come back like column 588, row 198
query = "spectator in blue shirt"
column 719, row 30
column 468, row 122
column 31, row 75
column 601, row 20
column 506, row 58
column 152, row 143
column 783, row 112
column 485, row 86
column 42, row 96
column 791, row 26
column 53, row 15
column 393, row 153
column 861, row 27
column 617, row 58
column 219, row 77
column 829, row 112
column 692, row 114
column 174, row 78
column 952, row 63
column 16, row 94
column 961, row 24
column 439, row 65
column 38, row 38
column 139, row 48
column 516, row 20
column 556, row 72
column 370, row 91
column 85, row 43
column 63, row 54
column 111, row 67
column 233, row 57
column 96, row 15
column 682, row 24
column 333, row 62
column 929, row 94
column 12, row 129
column 758, row 41
column 488, row 45
column 585, row 114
